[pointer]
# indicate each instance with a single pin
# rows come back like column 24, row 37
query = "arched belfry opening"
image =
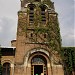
column 43, row 13
column 31, row 13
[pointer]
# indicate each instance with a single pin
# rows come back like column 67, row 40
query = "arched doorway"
column 6, row 69
column 38, row 65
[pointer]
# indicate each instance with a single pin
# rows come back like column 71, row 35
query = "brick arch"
column 38, row 53
column 6, row 61
column 31, row 53
column 31, row 5
column 41, row 50
column 43, row 6
column 35, row 5
column 28, row 4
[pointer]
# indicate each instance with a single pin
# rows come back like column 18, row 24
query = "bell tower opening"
column 38, row 65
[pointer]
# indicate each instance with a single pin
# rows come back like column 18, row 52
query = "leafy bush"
column 69, row 59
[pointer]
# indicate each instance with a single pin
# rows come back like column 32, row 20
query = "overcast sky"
column 8, row 20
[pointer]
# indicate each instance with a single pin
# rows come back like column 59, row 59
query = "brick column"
column 49, row 69
column 25, row 70
column 60, row 70
column 12, row 69
column 57, row 70
column 29, row 69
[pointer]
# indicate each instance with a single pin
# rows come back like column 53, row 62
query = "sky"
column 9, row 20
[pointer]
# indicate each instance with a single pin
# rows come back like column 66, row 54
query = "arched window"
column 31, row 13
column 43, row 16
column 6, row 69
column 39, row 59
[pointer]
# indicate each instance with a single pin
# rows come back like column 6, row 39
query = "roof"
column 8, row 51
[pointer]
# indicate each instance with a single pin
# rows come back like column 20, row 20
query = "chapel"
column 38, row 41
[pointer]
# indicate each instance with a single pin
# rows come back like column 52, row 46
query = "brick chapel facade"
column 30, row 54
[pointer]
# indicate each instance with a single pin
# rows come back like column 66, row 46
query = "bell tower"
column 38, row 39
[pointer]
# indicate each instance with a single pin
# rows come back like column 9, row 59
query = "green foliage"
column 0, row 69
column 52, row 29
column 41, row 30
column 68, row 59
